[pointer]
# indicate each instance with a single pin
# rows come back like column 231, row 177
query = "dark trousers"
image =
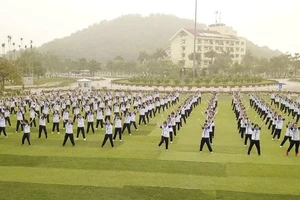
column 171, row 136
column 18, row 125
column 178, row 125
column 55, row 125
column 42, row 128
column 107, row 117
column 7, row 119
column 184, row 119
column 118, row 131
column 273, row 129
column 157, row 109
column 142, row 118
column 205, row 141
column 32, row 122
column 247, row 137
column 134, row 124
column 285, row 139
column 292, row 143
column 278, row 133
column 166, row 140
column 211, row 137
column 90, row 125
column 174, row 129
column 126, row 125
column 2, row 129
column 99, row 121
column 108, row 136
column 80, row 129
column 243, row 130
column 257, row 144
column 26, row 136
column 71, row 139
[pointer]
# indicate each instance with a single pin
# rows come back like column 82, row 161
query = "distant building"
column 27, row 80
column 218, row 37
column 84, row 85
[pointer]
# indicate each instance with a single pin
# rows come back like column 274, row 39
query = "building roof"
column 83, row 80
column 204, row 33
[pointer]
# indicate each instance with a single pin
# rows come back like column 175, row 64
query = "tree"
column 119, row 58
column 9, row 71
column 222, row 62
column 211, row 54
column 160, row 54
column 143, row 57
column 93, row 66
column 198, row 57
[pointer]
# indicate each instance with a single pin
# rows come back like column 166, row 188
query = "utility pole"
column 195, row 32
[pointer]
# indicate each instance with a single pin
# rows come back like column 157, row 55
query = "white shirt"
column 255, row 134
column 165, row 131
column 80, row 122
column 118, row 123
column 69, row 128
column 295, row 134
column 205, row 132
column 108, row 128
column 55, row 118
column 279, row 123
column 2, row 122
column 26, row 128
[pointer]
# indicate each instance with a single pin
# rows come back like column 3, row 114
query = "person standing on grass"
column 65, row 117
column 42, row 126
column 132, row 120
column 32, row 117
column 80, row 127
column 205, row 138
column 90, row 119
column 19, row 119
column 127, row 123
column 7, row 116
column 279, row 124
column 2, row 125
column 288, row 134
column 69, row 132
column 108, row 133
column 118, row 127
column 294, row 140
column 255, row 139
column 165, row 134
column 26, row 129
column 99, row 118
column 248, row 135
column 56, row 118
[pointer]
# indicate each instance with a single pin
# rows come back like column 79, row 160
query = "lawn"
column 138, row 169
column 60, row 80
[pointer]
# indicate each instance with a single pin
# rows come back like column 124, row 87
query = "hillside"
column 126, row 36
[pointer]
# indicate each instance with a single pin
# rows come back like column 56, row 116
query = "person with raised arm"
column 165, row 134
column 108, row 133
column 69, row 132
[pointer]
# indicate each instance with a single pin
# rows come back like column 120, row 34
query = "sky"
column 272, row 23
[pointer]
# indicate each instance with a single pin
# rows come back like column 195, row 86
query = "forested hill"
column 127, row 36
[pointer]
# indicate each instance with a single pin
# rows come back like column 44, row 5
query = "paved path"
column 289, row 86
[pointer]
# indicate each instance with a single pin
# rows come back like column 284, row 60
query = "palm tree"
column 143, row 57
column 159, row 54
column 211, row 54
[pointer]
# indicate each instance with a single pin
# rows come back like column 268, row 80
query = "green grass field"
column 138, row 169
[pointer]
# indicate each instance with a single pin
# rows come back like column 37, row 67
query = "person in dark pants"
column 80, row 127
column 288, row 134
column 248, row 135
column 26, row 129
column 255, row 139
column 295, row 139
column 42, row 126
column 108, row 133
column 118, row 127
column 205, row 138
column 127, row 123
column 164, row 135
column 69, row 132
column 2, row 125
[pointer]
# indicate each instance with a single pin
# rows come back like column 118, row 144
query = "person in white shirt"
column 118, row 127
column 80, row 127
column 42, row 126
column 279, row 124
column 19, row 119
column 32, row 117
column 205, row 138
column 99, row 116
column 255, row 139
column 288, row 134
column 7, row 115
column 164, row 135
column 132, row 120
column 295, row 140
column 108, row 133
column 142, row 115
column 56, row 118
column 248, row 135
column 26, row 129
column 69, row 133
column 90, row 119
column 2, row 125
column 127, row 123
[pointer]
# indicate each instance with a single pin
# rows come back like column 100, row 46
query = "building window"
column 183, row 41
column 237, row 43
column 183, row 48
column 199, row 48
column 237, row 49
column 242, row 43
column 183, row 55
column 242, row 50
column 199, row 41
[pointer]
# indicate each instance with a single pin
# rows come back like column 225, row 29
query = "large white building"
column 218, row 37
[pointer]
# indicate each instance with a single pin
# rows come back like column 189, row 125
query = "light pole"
column 194, row 56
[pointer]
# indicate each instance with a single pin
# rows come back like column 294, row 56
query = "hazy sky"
column 273, row 23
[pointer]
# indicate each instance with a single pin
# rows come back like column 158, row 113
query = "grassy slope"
column 137, row 169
